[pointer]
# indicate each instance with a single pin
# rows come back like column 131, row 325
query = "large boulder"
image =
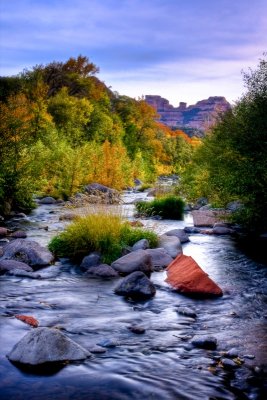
column 208, row 217
column 29, row 252
column 159, row 257
column 47, row 200
column 43, row 345
column 186, row 276
column 11, row 265
column 104, row 193
column 136, row 285
column 179, row 233
column 138, row 260
column 171, row 244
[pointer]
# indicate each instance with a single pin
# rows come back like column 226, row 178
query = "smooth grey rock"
column 29, row 252
column 222, row 230
column 102, row 270
column 24, row 274
column 97, row 349
column 9, row 265
column 205, row 342
column 138, row 260
column 19, row 235
column 159, row 257
column 47, row 200
column 228, row 364
column 136, row 329
column 232, row 353
column 43, row 345
column 90, row 261
column 234, row 206
column 136, row 285
column 3, row 231
column 108, row 343
column 192, row 229
column 186, row 311
column 179, row 233
column 171, row 244
column 141, row 245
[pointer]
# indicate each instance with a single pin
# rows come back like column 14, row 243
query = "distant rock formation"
column 197, row 117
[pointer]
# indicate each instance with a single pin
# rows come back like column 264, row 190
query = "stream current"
column 159, row 364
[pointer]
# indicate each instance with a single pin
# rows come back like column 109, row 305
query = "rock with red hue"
column 186, row 276
column 208, row 217
column 28, row 320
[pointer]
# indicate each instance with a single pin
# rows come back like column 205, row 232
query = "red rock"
column 186, row 276
column 3, row 231
column 28, row 320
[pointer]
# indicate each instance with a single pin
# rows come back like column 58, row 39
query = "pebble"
column 137, row 329
column 97, row 349
column 232, row 353
column 205, row 342
column 108, row 343
column 228, row 364
column 188, row 312
column 249, row 356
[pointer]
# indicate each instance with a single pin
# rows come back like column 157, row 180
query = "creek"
column 160, row 364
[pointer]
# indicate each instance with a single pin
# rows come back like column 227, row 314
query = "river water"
column 159, row 364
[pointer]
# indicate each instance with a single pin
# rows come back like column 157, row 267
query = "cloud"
column 141, row 41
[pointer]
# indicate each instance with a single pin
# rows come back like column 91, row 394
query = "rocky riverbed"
column 168, row 346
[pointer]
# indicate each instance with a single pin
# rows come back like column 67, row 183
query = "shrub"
column 167, row 207
column 106, row 233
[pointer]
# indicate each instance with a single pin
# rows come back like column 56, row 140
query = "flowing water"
column 159, row 364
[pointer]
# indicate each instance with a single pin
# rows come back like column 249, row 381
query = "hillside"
column 196, row 117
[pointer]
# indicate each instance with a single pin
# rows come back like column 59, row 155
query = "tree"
column 233, row 156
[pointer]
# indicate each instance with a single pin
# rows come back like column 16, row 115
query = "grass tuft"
column 170, row 207
column 106, row 233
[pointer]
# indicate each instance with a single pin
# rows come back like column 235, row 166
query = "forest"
column 62, row 128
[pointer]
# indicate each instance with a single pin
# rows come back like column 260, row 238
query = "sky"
column 182, row 50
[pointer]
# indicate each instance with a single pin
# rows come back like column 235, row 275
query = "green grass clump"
column 170, row 207
column 106, row 233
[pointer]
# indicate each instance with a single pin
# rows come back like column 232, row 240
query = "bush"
column 106, row 233
column 170, row 207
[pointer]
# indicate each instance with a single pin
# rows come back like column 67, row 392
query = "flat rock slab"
column 43, row 345
column 11, row 265
column 29, row 252
column 186, row 276
column 138, row 260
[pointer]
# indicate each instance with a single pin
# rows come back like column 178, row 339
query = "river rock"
column 136, row 329
column 11, row 265
column 232, row 353
column 138, row 260
column 104, row 193
column 228, row 364
column 208, row 217
column 222, row 230
column 47, row 200
column 186, row 311
column 186, row 276
column 159, row 257
column 19, row 235
column 205, row 342
column 24, row 274
column 90, row 261
column 3, row 231
column 171, row 244
column 136, row 285
column 102, row 270
column 142, row 244
column 43, row 345
column 179, row 233
column 29, row 252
